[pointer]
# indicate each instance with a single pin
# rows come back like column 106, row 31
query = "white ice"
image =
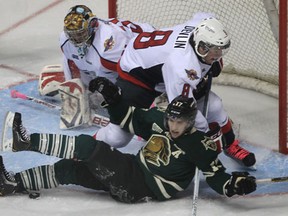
column 29, row 40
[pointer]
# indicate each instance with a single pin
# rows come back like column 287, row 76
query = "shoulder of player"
column 63, row 38
column 108, row 38
column 152, row 112
column 201, row 142
column 194, row 138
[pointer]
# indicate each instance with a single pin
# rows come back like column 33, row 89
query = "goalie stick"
column 97, row 120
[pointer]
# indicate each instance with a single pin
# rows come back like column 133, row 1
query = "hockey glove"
column 111, row 92
column 240, row 183
column 216, row 68
column 201, row 88
column 215, row 133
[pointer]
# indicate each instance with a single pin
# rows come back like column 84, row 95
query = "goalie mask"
column 211, row 36
column 183, row 108
column 80, row 25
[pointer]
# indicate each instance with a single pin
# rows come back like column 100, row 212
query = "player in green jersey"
column 161, row 169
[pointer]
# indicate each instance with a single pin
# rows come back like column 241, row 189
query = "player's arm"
column 201, row 87
column 127, row 117
column 206, row 159
column 134, row 27
column 179, row 79
column 110, row 45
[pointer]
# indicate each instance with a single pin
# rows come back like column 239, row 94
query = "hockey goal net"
column 254, row 60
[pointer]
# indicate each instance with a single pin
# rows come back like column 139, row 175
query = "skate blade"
column 7, row 137
column 252, row 168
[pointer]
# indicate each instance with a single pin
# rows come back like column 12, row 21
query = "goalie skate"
column 7, row 137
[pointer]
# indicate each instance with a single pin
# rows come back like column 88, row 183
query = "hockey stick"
column 197, row 172
column 16, row 94
column 97, row 119
column 273, row 180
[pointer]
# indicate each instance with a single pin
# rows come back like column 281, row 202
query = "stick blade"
column 13, row 93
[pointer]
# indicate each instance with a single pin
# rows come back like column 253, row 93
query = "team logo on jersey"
column 156, row 128
column 209, row 144
column 157, row 150
column 191, row 74
column 75, row 56
column 109, row 44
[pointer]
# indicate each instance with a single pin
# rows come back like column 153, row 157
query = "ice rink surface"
column 29, row 32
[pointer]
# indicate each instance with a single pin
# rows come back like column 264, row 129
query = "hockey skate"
column 7, row 138
column 8, row 185
column 240, row 154
column 18, row 140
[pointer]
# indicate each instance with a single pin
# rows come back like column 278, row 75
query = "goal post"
column 283, row 70
column 257, row 59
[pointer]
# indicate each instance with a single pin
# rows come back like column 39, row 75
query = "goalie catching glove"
column 240, row 183
column 110, row 92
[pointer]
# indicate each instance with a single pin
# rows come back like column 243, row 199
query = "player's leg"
column 120, row 172
column 48, row 176
column 135, row 95
column 113, row 135
column 59, row 145
column 216, row 113
column 77, row 173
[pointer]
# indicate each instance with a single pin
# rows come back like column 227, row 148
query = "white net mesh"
column 252, row 61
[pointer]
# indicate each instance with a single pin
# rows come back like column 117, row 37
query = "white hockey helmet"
column 210, row 34
column 80, row 24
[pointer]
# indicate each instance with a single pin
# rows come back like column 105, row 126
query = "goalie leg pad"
column 75, row 109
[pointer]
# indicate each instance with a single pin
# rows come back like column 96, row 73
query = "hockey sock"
column 36, row 178
column 228, row 133
column 57, row 145
column 63, row 146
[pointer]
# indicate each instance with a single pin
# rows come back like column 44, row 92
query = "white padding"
column 75, row 106
column 50, row 78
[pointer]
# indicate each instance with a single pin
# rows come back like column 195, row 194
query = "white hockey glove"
column 161, row 101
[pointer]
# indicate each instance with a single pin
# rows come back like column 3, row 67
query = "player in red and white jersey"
column 91, row 47
column 177, row 60
column 94, row 45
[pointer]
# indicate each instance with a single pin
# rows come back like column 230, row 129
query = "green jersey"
column 169, row 164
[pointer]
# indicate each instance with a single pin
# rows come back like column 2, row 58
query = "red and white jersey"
column 166, row 57
column 111, row 38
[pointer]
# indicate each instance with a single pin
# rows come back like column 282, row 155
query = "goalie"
column 91, row 47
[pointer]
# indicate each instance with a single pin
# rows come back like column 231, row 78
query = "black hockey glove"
column 201, row 88
column 110, row 91
column 216, row 68
column 240, row 183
